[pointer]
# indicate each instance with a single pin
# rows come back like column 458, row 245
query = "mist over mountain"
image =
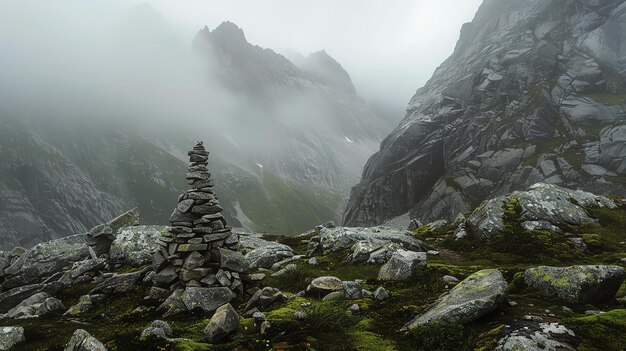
column 116, row 112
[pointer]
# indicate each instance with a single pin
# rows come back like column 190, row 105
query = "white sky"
column 389, row 47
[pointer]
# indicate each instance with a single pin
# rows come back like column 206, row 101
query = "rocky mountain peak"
column 325, row 68
column 534, row 91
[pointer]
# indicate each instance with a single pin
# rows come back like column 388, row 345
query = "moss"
column 438, row 337
column 517, row 284
column 189, row 345
column 489, row 340
column 368, row 341
column 604, row 331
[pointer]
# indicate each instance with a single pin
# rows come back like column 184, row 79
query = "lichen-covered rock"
column 44, row 260
column 50, row 305
column 403, row 265
column 83, row 341
column 206, row 299
column 541, row 337
column 264, row 298
column 265, row 256
column 158, row 329
column 547, row 204
column 322, row 286
column 11, row 298
column 85, row 304
column 342, row 238
column 136, row 245
column 479, row 294
column 577, row 284
column 119, row 283
column 224, row 322
column 10, row 336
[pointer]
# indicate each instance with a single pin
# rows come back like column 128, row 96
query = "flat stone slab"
column 479, row 294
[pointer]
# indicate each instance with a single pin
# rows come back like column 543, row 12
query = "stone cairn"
column 199, row 249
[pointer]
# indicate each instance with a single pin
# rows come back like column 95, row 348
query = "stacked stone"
column 199, row 249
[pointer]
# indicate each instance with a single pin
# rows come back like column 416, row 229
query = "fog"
column 390, row 48
column 133, row 62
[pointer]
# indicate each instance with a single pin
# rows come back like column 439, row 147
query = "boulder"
column 324, row 285
column 342, row 238
column 264, row 298
column 380, row 294
column 50, row 305
column 479, row 294
column 206, row 299
column 224, row 322
column 11, row 298
column 266, row 256
column 158, row 329
column 232, row 261
column 100, row 238
column 28, row 307
column 353, row 290
column 403, row 265
column 547, row 204
column 83, row 341
column 540, row 337
column 45, row 259
column 10, row 336
column 577, row 284
column 136, row 245
column 119, row 283
column 85, row 304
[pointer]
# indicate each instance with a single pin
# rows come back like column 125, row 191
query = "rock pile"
column 199, row 250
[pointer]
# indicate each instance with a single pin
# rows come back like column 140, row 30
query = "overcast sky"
column 389, row 47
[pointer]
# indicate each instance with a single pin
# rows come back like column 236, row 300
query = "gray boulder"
column 119, row 283
column 224, row 322
column 479, row 294
column 577, row 284
column 158, row 329
column 232, row 261
column 10, row 336
column 547, row 204
column 206, row 299
column 11, row 298
column 83, row 341
column 403, row 265
column 541, row 337
column 85, row 304
column 136, row 245
column 101, row 237
column 353, row 290
column 342, row 238
column 264, row 298
column 265, row 256
column 44, row 260
column 322, row 286
column 50, row 305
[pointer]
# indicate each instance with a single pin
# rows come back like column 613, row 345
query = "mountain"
column 534, row 91
column 286, row 142
column 305, row 123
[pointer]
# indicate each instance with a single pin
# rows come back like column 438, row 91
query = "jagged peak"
column 229, row 31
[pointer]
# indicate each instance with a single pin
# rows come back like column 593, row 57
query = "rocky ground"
column 540, row 269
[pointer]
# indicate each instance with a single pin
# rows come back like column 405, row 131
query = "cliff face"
column 534, row 91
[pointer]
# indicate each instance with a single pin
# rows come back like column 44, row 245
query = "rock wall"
column 534, row 92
